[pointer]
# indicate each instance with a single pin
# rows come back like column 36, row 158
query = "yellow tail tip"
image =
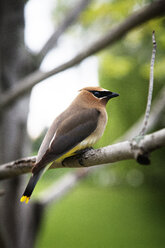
column 25, row 199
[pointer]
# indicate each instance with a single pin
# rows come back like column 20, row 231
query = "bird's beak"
column 111, row 95
column 114, row 95
column 107, row 96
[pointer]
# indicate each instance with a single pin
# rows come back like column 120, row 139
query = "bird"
column 79, row 127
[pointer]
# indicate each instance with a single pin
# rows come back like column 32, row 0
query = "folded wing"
column 68, row 134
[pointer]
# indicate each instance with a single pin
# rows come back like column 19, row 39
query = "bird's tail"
column 30, row 187
column 32, row 183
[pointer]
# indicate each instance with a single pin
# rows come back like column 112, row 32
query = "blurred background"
column 121, row 205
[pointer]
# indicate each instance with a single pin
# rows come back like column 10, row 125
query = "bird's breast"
column 97, row 134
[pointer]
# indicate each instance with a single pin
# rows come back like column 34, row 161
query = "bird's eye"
column 96, row 93
column 100, row 94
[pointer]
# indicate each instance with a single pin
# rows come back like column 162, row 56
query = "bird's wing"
column 69, row 134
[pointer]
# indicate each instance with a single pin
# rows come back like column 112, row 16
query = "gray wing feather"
column 69, row 133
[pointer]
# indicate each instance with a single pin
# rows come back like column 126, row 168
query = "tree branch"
column 150, row 88
column 151, row 11
column 116, row 152
column 17, row 167
column 70, row 18
column 141, row 156
column 105, row 155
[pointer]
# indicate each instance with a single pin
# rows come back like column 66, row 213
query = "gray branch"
column 150, row 88
column 155, row 9
column 105, row 155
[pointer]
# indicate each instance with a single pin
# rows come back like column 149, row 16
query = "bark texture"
column 15, row 63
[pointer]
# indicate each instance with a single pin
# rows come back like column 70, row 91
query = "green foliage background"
column 121, row 205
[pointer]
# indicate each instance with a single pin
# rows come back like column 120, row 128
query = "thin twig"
column 150, row 89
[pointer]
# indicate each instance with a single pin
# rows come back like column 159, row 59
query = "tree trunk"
column 16, row 223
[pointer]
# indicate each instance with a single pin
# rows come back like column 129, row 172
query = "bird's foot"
column 78, row 155
column 79, row 152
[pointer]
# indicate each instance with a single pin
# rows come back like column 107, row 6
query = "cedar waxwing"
column 80, row 126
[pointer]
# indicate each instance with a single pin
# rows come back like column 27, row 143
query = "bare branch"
column 18, row 167
column 141, row 156
column 69, row 19
column 150, row 89
column 116, row 152
column 155, row 9
column 105, row 155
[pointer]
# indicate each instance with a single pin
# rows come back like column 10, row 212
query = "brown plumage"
column 78, row 127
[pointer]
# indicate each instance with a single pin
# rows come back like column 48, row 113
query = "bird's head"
column 97, row 95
